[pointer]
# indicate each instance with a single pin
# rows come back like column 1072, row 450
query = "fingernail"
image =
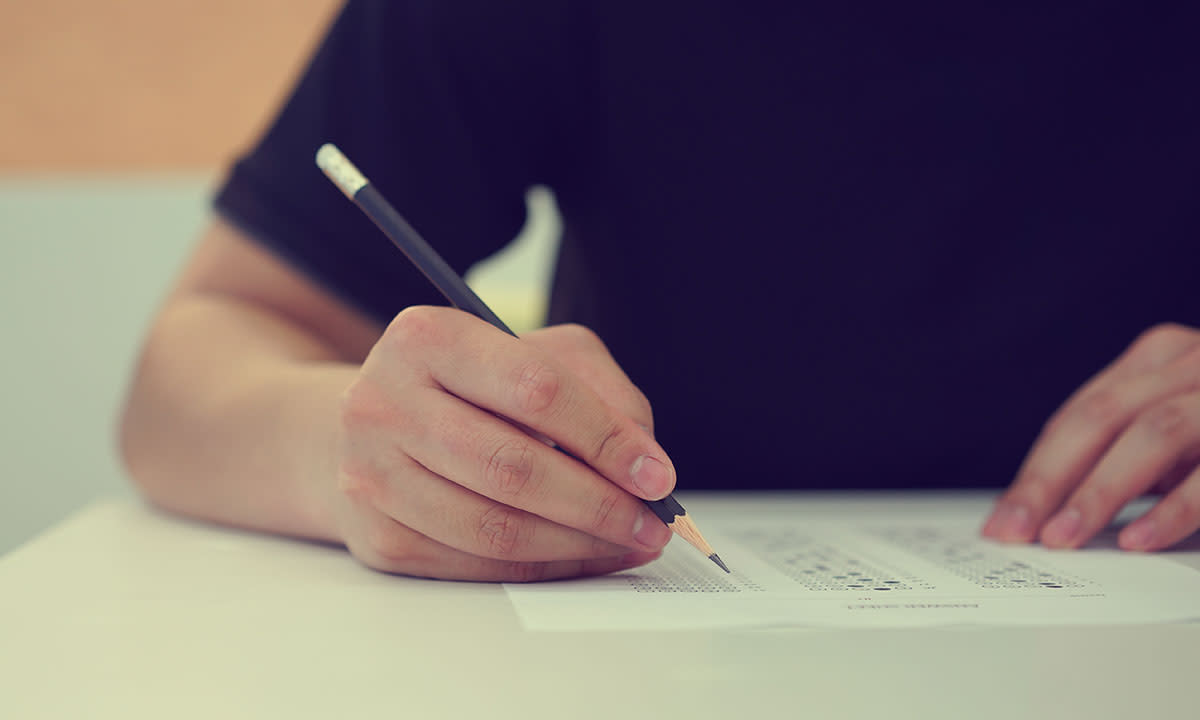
column 650, row 532
column 1062, row 528
column 651, row 477
column 1137, row 536
column 1010, row 521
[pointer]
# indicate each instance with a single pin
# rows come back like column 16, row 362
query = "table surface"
column 122, row 611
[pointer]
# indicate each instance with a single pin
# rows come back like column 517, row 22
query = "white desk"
column 123, row 612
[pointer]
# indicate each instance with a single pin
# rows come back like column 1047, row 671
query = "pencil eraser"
column 338, row 168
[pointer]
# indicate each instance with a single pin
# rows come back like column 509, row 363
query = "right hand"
column 443, row 466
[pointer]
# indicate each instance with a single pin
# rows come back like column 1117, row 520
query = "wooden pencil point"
column 686, row 529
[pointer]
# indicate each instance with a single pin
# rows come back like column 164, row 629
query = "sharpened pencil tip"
column 717, row 559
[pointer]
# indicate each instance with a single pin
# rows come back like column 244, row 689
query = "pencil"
column 355, row 186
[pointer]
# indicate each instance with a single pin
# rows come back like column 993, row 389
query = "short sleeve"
column 425, row 97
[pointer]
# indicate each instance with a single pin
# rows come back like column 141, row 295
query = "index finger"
column 589, row 358
column 494, row 371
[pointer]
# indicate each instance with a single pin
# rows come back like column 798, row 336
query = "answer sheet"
column 877, row 573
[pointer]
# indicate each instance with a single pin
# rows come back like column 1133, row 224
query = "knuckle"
column 603, row 513
column 414, row 325
column 643, row 404
column 1159, row 343
column 365, row 408
column 365, row 484
column 1191, row 363
column 390, row 545
column 360, row 405
column 1171, row 422
column 1162, row 335
column 510, row 468
column 501, row 532
column 641, row 408
column 1103, row 408
column 609, row 440
column 537, row 387
column 581, row 334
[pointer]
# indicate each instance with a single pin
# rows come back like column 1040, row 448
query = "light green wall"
column 83, row 263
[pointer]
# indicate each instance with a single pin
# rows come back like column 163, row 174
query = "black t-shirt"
column 837, row 245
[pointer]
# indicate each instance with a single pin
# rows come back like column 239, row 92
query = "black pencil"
column 355, row 185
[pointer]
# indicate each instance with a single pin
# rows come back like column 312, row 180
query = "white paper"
column 881, row 574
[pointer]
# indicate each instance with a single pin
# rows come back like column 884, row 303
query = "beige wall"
column 144, row 84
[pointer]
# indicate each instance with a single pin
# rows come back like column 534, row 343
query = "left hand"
column 1133, row 428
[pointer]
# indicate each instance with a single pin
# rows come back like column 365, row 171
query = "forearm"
column 232, row 417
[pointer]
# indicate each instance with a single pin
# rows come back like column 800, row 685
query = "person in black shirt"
column 837, row 247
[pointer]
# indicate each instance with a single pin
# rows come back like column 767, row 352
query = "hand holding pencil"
column 437, row 440
column 443, row 440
